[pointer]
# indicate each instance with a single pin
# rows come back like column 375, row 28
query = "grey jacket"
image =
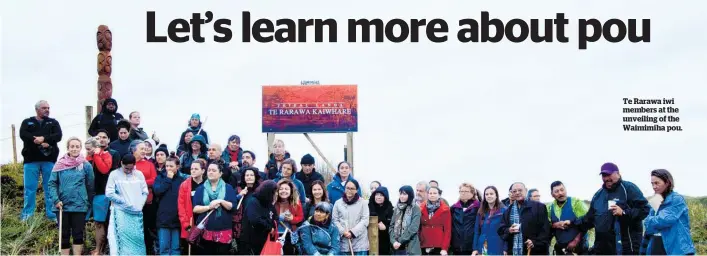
column 409, row 238
column 354, row 218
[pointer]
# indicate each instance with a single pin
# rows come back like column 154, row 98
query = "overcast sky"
column 490, row 114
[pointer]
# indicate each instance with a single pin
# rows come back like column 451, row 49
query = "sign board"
column 310, row 108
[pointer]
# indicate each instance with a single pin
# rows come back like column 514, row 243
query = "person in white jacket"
column 351, row 219
column 127, row 191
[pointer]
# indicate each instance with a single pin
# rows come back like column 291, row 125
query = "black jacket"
column 535, row 226
column 307, row 180
column 271, row 168
column 385, row 215
column 106, row 120
column 258, row 219
column 636, row 208
column 50, row 129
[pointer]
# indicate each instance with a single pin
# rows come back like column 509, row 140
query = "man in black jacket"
column 107, row 120
column 40, row 135
column 308, row 174
column 525, row 225
column 616, row 213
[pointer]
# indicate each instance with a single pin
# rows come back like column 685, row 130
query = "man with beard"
column 107, row 120
column 562, row 212
column 616, row 213
column 525, row 226
column 421, row 192
column 40, row 135
column 308, row 174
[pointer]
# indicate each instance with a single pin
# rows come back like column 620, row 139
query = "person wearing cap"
column 194, row 127
column 308, row 174
column 318, row 236
column 616, row 213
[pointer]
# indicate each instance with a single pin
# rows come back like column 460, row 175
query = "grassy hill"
column 39, row 236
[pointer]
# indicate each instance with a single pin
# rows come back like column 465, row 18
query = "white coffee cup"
column 612, row 203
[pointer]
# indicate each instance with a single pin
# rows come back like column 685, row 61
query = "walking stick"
column 351, row 247
column 61, row 213
column 239, row 203
column 202, row 125
column 191, row 223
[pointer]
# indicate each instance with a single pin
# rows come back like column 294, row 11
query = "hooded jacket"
column 167, row 193
column 187, row 158
column 72, row 187
column 335, row 190
column 50, row 129
column 259, row 214
column 636, row 208
column 463, row 221
column 385, row 215
column 106, row 120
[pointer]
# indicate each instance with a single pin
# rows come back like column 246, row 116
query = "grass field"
column 39, row 236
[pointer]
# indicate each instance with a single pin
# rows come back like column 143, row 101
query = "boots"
column 65, row 251
column 100, row 239
column 78, row 249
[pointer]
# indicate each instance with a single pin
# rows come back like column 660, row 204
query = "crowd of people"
column 207, row 200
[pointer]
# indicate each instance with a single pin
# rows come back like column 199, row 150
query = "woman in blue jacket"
column 70, row 188
column 488, row 220
column 668, row 228
column 318, row 236
column 167, row 192
column 335, row 189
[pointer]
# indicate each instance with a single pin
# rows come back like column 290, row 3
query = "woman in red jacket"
column 184, row 202
column 435, row 224
column 289, row 210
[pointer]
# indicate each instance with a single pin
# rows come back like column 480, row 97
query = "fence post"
column 89, row 116
column 373, row 235
column 14, row 145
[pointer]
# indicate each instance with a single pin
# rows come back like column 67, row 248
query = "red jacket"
column 102, row 160
column 148, row 170
column 184, row 206
column 297, row 214
column 435, row 232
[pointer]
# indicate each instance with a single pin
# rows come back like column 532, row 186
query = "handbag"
column 195, row 233
column 272, row 245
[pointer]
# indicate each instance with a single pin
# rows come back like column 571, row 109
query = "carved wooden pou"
column 104, row 41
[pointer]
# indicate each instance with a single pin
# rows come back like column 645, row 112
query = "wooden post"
column 14, row 145
column 320, row 153
column 373, row 235
column 271, row 141
column 349, row 150
column 89, row 117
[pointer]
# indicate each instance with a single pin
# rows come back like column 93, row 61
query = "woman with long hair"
column 488, row 220
column 289, row 209
column 288, row 168
column 317, row 235
column 336, row 189
column 218, row 198
column 258, row 221
column 351, row 218
column 379, row 204
column 463, row 220
column 405, row 224
column 435, row 224
column 249, row 181
column 70, row 189
column 319, row 195
column 668, row 223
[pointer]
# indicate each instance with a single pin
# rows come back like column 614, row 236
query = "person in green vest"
column 562, row 212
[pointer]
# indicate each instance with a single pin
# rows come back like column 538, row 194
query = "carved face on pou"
column 105, row 87
column 105, row 63
column 104, row 38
